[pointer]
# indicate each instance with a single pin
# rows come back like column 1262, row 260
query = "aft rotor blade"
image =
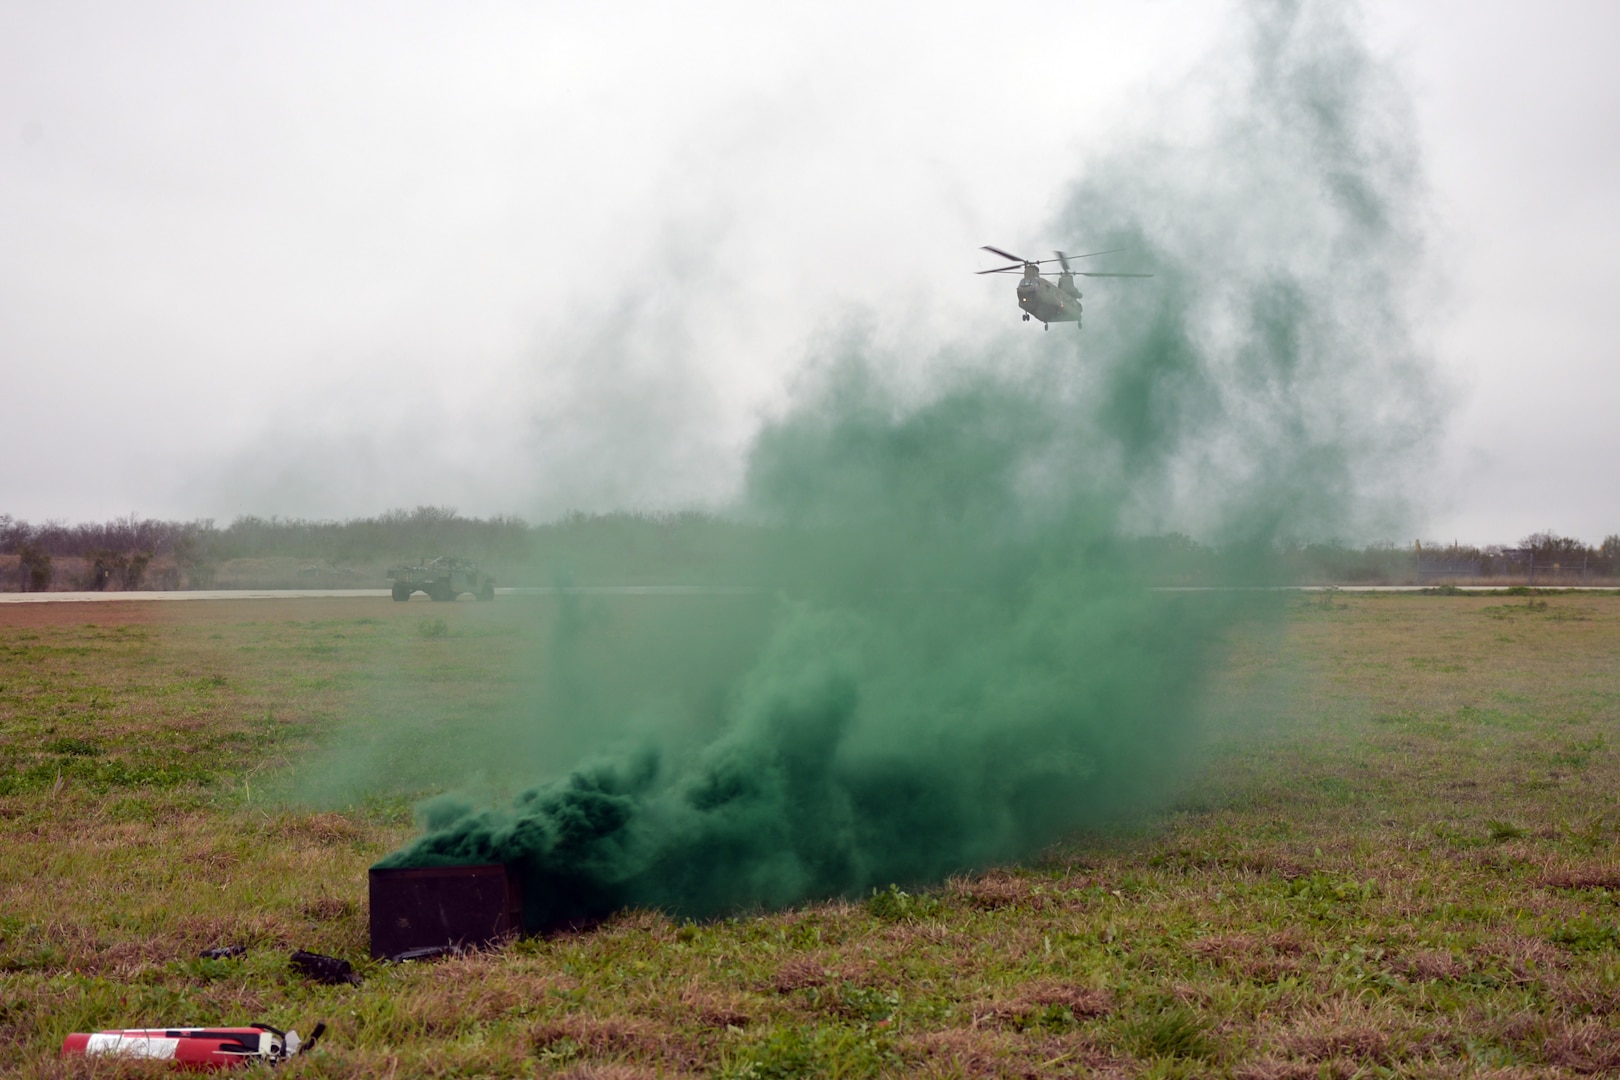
column 1004, row 254
column 1001, row 269
column 1077, row 273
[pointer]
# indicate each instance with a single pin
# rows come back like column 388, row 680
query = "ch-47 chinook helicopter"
column 1044, row 300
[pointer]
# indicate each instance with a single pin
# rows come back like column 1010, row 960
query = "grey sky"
column 327, row 259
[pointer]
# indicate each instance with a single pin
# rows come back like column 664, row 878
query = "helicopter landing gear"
column 1026, row 316
column 1046, row 326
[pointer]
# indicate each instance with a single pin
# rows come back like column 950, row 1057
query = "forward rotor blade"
column 1001, row 269
column 1077, row 273
column 1004, row 254
column 1088, row 255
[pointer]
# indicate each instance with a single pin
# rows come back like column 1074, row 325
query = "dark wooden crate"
column 429, row 907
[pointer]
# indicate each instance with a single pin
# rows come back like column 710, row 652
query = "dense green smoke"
column 967, row 657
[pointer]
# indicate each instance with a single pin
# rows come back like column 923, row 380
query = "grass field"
column 1400, row 857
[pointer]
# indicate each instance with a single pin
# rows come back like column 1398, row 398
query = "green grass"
column 1401, row 856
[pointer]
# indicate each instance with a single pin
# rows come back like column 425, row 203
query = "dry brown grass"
column 800, row 973
column 643, row 1040
column 1021, row 1001
column 1430, row 964
column 1394, row 858
column 1604, row 875
column 997, row 889
column 1590, row 1047
column 959, row 1051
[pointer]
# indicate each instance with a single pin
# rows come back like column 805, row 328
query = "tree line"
column 689, row 546
column 118, row 554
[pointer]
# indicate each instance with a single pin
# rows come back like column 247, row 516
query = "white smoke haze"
column 323, row 261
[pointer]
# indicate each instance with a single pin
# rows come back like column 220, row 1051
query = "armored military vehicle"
column 444, row 578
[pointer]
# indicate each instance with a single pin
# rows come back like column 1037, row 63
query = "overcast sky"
column 326, row 259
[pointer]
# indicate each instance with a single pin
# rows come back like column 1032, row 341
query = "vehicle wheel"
column 402, row 592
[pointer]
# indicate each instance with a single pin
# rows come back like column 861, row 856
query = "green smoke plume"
column 967, row 658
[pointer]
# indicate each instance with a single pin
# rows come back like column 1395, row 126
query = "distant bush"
column 34, row 568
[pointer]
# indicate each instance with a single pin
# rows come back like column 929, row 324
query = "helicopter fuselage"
column 1050, row 301
column 1047, row 301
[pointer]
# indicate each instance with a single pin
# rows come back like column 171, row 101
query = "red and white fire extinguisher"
column 195, row 1048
